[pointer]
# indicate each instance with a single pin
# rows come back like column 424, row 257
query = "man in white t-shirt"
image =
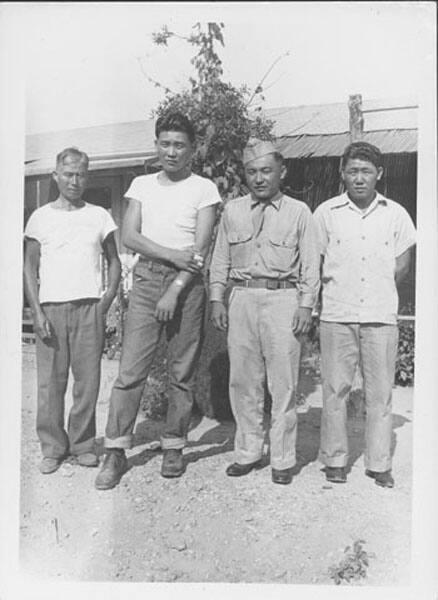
column 169, row 222
column 64, row 243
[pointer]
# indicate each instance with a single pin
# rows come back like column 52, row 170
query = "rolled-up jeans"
column 141, row 336
column 343, row 347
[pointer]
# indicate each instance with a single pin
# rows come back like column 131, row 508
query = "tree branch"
column 153, row 81
column 258, row 87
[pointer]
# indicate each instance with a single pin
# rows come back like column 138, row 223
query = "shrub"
column 353, row 566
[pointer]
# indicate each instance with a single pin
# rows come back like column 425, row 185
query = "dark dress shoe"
column 173, row 463
column 113, row 468
column 335, row 474
column 283, row 476
column 237, row 470
column 382, row 478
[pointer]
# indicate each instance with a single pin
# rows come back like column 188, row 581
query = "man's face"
column 360, row 178
column 263, row 177
column 71, row 177
column 175, row 151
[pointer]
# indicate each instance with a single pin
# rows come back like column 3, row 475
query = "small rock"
column 280, row 574
column 177, row 543
column 94, row 532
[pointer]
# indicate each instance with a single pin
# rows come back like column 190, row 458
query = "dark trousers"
column 76, row 342
column 140, row 340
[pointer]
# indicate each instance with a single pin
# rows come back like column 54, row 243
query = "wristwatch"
column 178, row 282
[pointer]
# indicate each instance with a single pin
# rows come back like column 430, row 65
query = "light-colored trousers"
column 343, row 347
column 262, row 348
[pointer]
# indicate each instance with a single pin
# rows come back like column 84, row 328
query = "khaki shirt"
column 360, row 250
column 286, row 247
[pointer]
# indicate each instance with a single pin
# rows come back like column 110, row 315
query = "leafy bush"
column 353, row 567
column 405, row 365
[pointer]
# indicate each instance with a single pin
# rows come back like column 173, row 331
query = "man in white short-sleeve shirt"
column 64, row 243
column 169, row 223
column 365, row 244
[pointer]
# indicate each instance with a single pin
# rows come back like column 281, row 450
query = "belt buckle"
column 272, row 284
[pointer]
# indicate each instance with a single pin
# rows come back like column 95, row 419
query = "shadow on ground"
column 217, row 437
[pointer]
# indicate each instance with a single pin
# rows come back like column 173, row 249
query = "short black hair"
column 363, row 151
column 175, row 121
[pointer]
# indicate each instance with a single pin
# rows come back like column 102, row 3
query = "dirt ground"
column 205, row 526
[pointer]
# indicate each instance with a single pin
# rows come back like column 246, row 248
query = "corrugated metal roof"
column 306, row 146
column 314, row 130
column 324, row 119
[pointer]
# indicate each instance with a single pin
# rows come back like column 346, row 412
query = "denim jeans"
column 141, row 337
column 76, row 342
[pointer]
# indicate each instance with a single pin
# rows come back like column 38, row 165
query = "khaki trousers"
column 262, row 348
column 343, row 347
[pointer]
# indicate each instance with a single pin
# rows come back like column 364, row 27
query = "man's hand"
column 302, row 320
column 186, row 260
column 219, row 315
column 166, row 306
column 41, row 326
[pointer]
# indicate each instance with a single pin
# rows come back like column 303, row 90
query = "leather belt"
column 269, row 284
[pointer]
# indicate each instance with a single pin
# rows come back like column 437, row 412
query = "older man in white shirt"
column 365, row 244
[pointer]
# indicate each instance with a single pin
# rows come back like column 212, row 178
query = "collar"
column 344, row 200
column 275, row 202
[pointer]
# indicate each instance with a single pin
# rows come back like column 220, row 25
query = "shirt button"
column 361, row 299
column 363, row 257
column 362, row 278
column 363, row 237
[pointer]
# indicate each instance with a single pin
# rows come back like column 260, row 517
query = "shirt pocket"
column 282, row 251
column 240, row 248
column 383, row 257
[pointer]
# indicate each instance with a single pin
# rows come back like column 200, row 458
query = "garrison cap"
column 256, row 148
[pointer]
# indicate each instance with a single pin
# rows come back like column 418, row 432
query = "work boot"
column 173, row 463
column 113, row 468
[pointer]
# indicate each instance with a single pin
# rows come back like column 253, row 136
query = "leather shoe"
column 335, row 474
column 49, row 465
column 114, row 467
column 283, row 476
column 173, row 463
column 237, row 470
column 382, row 478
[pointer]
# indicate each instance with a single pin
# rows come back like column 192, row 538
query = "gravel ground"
column 205, row 526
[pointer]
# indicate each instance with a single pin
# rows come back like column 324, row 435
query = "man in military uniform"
column 266, row 249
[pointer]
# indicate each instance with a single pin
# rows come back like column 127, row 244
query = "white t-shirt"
column 169, row 210
column 71, row 247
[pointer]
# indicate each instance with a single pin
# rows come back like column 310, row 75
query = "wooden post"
column 356, row 117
